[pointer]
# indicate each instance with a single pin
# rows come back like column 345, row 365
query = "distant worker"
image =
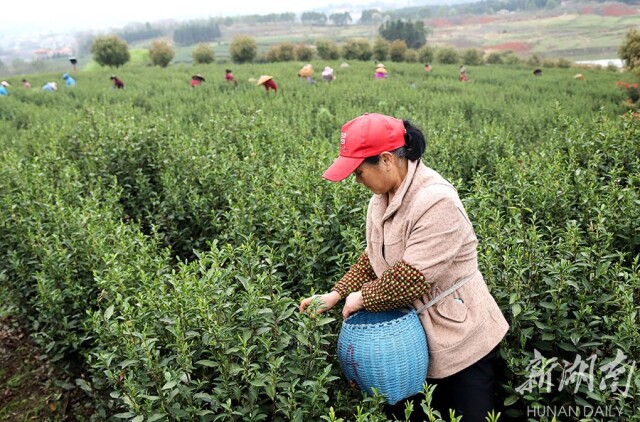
column 268, row 82
column 381, row 71
column 579, row 76
column 117, row 83
column 228, row 76
column 196, row 80
column 427, row 68
column 307, row 73
column 328, row 75
column 3, row 89
column 50, row 86
column 464, row 77
column 537, row 72
column 25, row 83
column 68, row 80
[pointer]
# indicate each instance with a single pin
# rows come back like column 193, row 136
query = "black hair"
column 415, row 144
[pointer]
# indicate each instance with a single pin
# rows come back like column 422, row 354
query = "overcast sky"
column 71, row 15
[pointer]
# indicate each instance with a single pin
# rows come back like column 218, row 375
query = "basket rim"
column 408, row 313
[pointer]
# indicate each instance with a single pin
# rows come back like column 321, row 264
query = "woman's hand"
column 353, row 304
column 327, row 301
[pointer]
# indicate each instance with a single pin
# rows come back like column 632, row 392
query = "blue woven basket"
column 386, row 350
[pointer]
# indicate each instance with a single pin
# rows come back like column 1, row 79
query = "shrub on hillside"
column 303, row 53
column 161, row 53
column 110, row 50
column 448, row 55
column 397, row 50
column 472, row 57
column 494, row 58
column 380, row 49
column 203, row 54
column 243, row 49
column 283, row 52
column 534, row 60
column 411, row 56
column 327, row 50
column 629, row 51
column 357, row 49
column 510, row 58
column 426, row 54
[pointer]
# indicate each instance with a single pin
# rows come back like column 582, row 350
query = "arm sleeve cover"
column 361, row 272
column 398, row 287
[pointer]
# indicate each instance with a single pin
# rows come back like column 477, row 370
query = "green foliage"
column 494, row 58
column 340, row 19
column 563, row 63
column 629, row 51
column 397, row 50
column 411, row 56
column 283, row 52
column 161, row 53
column 426, row 54
column 303, row 53
column 327, row 50
column 243, row 49
column 370, row 16
column 380, row 49
column 140, row 32
column 161, row 238
column 357, row 49
column 414, row 34
column 313, row 18
column 534, row 60
column 200, row 31
column 447, row 55
column 203, row 54
column 472, row 57
column 110, row 50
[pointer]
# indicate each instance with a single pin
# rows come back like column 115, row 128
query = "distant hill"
column 574, row 30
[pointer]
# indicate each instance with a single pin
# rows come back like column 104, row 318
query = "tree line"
column 196, row 32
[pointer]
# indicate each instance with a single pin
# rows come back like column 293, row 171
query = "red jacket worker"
column 268, row 83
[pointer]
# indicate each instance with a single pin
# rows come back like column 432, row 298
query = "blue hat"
column 65, row 76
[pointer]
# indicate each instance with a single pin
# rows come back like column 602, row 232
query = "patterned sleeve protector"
column 398, row 287
column 361, row 272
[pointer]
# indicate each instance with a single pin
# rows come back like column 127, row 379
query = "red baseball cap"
column 366, row 136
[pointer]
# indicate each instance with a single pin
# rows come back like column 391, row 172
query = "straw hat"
column 4, row 83
column 381, row 69
column 306, row 71
column 344, row 65
column 579, row 76
column 263, row 79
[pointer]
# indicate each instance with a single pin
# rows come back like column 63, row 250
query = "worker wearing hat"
column 420, row 243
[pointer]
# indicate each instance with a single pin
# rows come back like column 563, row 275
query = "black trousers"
column 469, row 392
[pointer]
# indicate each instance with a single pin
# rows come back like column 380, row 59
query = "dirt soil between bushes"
column 28, row 387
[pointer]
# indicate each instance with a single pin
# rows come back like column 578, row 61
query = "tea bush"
column 157, row 239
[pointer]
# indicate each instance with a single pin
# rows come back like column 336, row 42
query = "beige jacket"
column 426, row 226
